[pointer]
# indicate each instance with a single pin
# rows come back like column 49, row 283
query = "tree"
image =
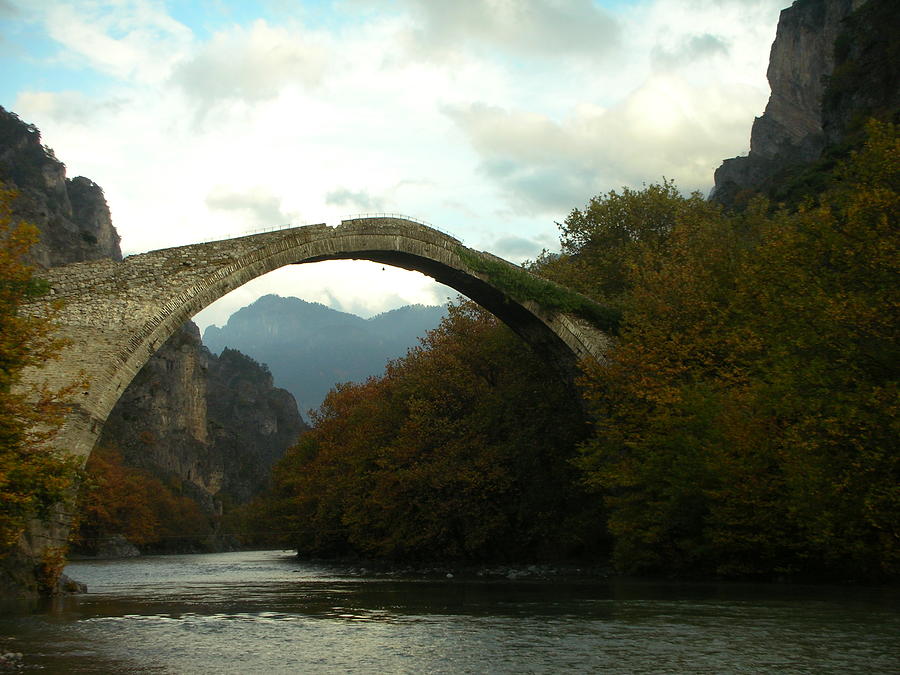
column 119, row 499
column 747, row 416
column 600, row 242
column 461, row 451
column 33, row 477
column 825, row 302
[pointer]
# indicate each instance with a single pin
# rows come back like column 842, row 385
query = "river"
column 267, row 612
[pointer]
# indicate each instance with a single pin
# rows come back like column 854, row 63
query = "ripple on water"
column 268, row 613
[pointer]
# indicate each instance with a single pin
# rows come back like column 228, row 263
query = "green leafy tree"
column 601, row 242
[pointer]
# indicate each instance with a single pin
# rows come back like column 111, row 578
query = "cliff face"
column 250, row 423
column 865, row 80
column 791, row 130
column 72, row 214
column 160, row 423
column 211, row 425
column 214, row 423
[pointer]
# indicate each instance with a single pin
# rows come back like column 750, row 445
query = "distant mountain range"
column 310, row 347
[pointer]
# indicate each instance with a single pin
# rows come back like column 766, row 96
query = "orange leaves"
column 32, row 476
column 459, row 451
column 119, row 499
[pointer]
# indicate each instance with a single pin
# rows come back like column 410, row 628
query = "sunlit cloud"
column 250, row 64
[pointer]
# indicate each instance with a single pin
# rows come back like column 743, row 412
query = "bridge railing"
column 247, row 233
column 402, row 216
column 355, row 216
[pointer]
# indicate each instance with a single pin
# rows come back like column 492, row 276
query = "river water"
column 267, row 612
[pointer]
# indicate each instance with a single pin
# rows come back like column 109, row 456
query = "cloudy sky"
column 491, row 119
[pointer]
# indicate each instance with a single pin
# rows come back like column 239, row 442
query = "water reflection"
column 268, row 612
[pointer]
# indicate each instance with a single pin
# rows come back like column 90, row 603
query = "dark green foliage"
column 604, row 241
column 747, row 418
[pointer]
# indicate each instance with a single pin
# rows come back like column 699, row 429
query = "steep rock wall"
column 250, row 423
column 160, row 422
column 865, row 80
column 72, row 214
column 215, row 423
column 790, row 131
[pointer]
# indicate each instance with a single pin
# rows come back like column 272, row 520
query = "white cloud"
column 355, row 200
column 538, row 28
column 684, row 100
column 8, row 9
column 690, row 50
column 251, row 64
column 518, row 249
column 667, row 127
column 503, row 117
column 259, row 204
column 129, row 39
column 68, row 107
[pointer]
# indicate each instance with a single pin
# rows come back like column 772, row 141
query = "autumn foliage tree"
column 118, row 499
column 33, row 477
column 746, row 421
column 459, row 452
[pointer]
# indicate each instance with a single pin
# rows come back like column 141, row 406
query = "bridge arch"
column 117, row 314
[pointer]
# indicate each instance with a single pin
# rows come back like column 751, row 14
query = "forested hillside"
column 743, row 425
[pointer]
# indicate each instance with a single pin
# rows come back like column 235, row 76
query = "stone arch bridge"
column 115, row 315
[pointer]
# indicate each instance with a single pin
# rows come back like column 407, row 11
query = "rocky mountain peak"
column 71, row 213
column 791, row 130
